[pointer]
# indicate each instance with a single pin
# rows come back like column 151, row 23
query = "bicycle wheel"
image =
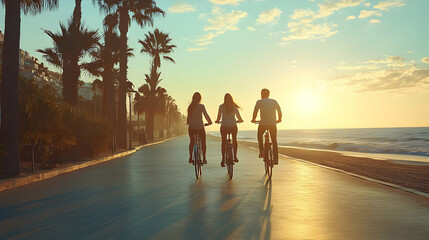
column 230, row 161
column 269, row 162
column 197, row 163
column 266, row 157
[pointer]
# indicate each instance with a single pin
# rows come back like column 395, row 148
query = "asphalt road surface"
column 153, row 194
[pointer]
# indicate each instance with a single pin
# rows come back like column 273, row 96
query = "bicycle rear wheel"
column 269, row 162
column 230, row 161
column 197, row 164
column 266, row 157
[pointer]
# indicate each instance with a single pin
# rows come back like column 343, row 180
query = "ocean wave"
column 352, row 147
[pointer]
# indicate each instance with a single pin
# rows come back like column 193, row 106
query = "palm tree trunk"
column 123, row 67
column 150, row 123
column 109, row 103
column 9, row 86
column 69, row 92
column 74, row 58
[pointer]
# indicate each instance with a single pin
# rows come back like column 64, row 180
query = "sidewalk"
column 25, row 179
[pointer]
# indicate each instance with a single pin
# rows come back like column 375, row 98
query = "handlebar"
column 219, row 122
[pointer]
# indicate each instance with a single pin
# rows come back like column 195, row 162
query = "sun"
column 308, row 102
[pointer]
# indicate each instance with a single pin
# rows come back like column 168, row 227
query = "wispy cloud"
column 195, row 49
column 306, row 24
column 251, row 29
column 425, row 60
column 329, row 7
column 219, row 23
column 386, row 5
column 388, row 61
column 269, row 16
column 308, row 30
column 181, row 8
column 350, row 17
column 204, row 43
column 374, row 21
column 224, row 22
column 386, row 74
column 226, row 2
column 365, row 13
column 385, row 80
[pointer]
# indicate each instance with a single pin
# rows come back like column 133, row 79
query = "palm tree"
column 102, row 65
column 66, row 43
column 9, row 83
column 155, row 44
column 154, row 99
column 142, row 12
column 75, row 39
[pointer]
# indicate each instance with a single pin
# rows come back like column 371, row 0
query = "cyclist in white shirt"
column 228, row 111
column 268, row 108
column 196, row 110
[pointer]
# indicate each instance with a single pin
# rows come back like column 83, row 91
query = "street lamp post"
column 130, row 91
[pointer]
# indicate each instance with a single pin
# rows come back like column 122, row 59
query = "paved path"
column 153, row 194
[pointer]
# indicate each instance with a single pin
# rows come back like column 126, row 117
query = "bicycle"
column 229, row 155
column 196, row 155
column 268, row 153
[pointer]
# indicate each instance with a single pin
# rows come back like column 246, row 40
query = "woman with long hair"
column 196, row 110
column 228, row 111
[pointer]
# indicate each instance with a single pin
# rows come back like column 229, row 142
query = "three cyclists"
column 229, row 113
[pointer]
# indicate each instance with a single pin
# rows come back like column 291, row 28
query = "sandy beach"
column 410, row 176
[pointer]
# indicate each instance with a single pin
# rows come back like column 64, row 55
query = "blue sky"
column 346, row 63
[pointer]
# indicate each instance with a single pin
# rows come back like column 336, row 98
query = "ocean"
column 409, row 144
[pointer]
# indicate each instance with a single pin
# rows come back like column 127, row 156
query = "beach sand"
column 410, row 176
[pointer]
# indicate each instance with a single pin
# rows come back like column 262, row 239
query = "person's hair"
column 228, row 103
column 196, row 98
column 265, row 93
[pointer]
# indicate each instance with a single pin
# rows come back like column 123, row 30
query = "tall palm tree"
column 65, row 45
column 154, row 99
column 75, row 37
column 102, row 65
column 9, row 83
column 142, row 12
column 157, row 45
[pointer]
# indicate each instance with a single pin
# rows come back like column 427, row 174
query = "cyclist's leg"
column 191, row 143
column 223, row 135
column 273, row 133
column 234, row 131
column 202, row 134
column 261, row 130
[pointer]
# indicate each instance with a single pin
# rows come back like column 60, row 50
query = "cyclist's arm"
column 237, row 113
column 207, row 116
column 255, row 112
column 218, row 115
column 279, row 112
